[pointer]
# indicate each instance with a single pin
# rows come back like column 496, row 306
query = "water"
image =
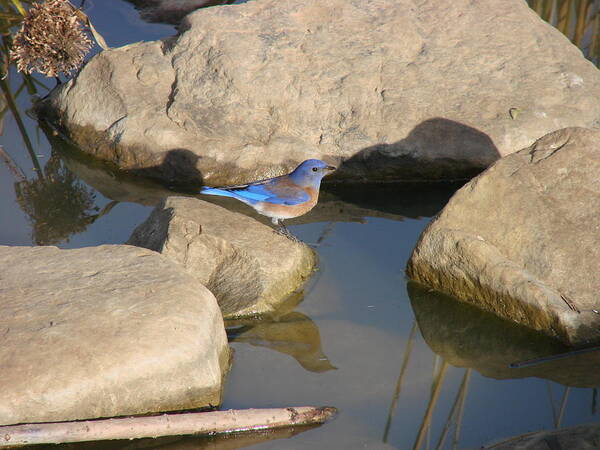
column 383, row 351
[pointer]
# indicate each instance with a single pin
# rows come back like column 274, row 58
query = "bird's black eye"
column 315, row 169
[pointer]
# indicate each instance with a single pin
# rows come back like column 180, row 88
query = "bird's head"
column 310, row 172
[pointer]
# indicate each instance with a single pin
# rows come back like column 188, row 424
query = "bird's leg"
column 282, row 230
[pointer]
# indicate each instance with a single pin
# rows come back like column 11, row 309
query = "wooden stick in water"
column 163, row 425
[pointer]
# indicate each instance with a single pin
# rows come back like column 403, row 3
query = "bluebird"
column 283, row 197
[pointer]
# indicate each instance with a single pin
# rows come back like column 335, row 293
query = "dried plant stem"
column 19, row 7
column 85, row 19
column 580, row 24
column 564, row 17
column 164, row 425
column 457, row 401
column 461, row 411
column 11, row 165
column 563, row 405
column 435, row 393
column 405, row 359
column 10, row 101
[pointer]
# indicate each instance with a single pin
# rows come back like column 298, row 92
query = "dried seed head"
column 51, row 40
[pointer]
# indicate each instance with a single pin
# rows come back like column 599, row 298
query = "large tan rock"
column 522, row 240
column 250, row 268
column 104, row 331
column 390, row 89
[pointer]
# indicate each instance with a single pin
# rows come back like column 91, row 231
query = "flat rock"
column 387, row 89
column 522, row 239
column 248, row 267
column 104, row 331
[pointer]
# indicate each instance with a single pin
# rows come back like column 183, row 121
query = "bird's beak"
column 331, row 168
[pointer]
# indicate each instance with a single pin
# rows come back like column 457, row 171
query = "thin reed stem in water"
column 405, row 359
column 435, row 394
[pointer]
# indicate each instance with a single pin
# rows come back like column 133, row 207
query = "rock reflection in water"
column 217, row 442
column 289, row 332
column 337, row 203
column 468, row 337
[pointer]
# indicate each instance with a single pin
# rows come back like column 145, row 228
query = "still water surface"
column 405, row 366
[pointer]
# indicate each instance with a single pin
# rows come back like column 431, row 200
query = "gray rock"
column 104, row 331
column 522, row 239
column 250, row 268
column 388, row 88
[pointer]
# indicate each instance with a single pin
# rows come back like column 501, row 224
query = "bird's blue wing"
column 240, row 194
column 280, row 193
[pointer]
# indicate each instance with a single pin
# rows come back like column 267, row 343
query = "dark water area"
column 406, row 367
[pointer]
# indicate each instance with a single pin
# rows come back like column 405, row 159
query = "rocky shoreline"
column 390, row 91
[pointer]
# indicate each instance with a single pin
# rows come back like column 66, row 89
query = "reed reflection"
column 468, row 337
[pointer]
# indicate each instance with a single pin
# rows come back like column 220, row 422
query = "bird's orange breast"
column 290, row 211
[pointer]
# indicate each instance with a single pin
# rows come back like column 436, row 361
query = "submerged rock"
column 104, row 331
column 250, row 268
column 522, row 240
column 389, row 89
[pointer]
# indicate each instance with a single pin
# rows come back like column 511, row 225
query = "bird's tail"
column 216, row 191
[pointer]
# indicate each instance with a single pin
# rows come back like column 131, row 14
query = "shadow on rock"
column 469, row 337
column 288, row 332
column 178, row 167
column 172, row 11
column 338, row 202
column 398, row 200
column 136, row 186
column 436, row 149
column 175, row 168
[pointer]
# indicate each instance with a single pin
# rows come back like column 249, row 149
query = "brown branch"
column 163, row 425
